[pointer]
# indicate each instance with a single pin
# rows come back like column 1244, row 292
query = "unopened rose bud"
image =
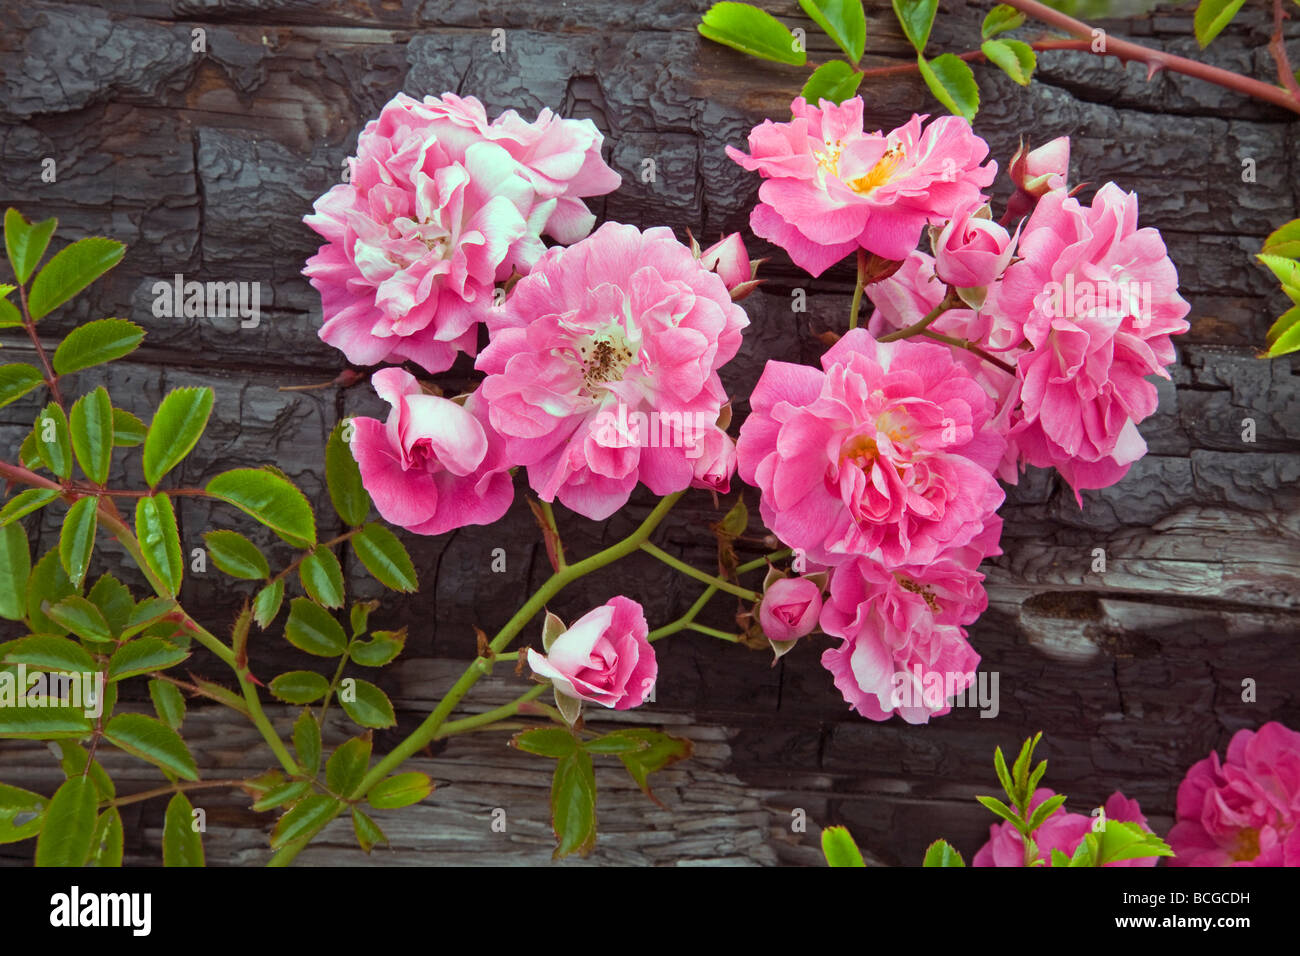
column 972, row 250
column 731, row 262
column 1036, row 173
column 790, row 608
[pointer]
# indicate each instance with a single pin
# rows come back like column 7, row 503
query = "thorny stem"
column 1277, row 47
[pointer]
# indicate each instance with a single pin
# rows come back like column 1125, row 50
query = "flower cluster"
column 1061, row 831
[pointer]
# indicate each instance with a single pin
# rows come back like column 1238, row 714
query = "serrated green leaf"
column 942, row 853
column 73, row 759
column 48, row 583
column 368, row 833
column 307, row 742
column 237, row 556
column 843, row 21
column 282, row 795
column 74, row 613
column 306, row 816
column 270, row 498
column 154, row 741
column 70, row 270
column 21, row 813
column 322, row 577
column 26, row 242
column 401, row 790
column 382, row 648
column 52, row 443
column 299, row 687
column 92, row 434
column 16, row 380
column 916, row 18
column 25, row 502
column 1211, row 17
column 1284, row 336
column 313, row 629
column 77, row 538
column 573, row 805
column 343, row 480
column 835, row 81
column 385, row 557
column 144, row 656
column 50, row 652
column 147, row 613
column 1001, row 19
column 106, row 846
column 664, row 749
column 43, row 723
column 182, row 844
column 615, row 743
column 1016, row 58
column 128, row 431
column 952, row 83
column 839, row 848
column 546, row 741
column 15, row 569
column 366, row 704
column 748, row 29
column 266, row 605
column 1002, row 810
column 347, row 765
column 95, row 343
column 175, row 430
column 1004, row 776
column 1284, row 240
column 1045, row 810
column 168, row 702
column 160, row 540
column 69, row 827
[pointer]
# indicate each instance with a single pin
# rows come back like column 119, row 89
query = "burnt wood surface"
column 204, row 164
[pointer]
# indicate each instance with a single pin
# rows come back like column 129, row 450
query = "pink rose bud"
column 716, row 461
column 728, row 258
column 1039, row 171
column 790, row 608
column 972, row 250
column 604, row 658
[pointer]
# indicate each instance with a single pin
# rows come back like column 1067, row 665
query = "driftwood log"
column 205, row 162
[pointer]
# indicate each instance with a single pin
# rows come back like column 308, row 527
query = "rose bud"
column 972, row 250
column 1036, row 173
column 715, row 462
column 604, row 657
column 790, row 608
column 728, row 258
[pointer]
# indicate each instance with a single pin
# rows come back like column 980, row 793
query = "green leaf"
column 835, row 81
column 664, row 749
column 916, row 17
column 1286, row 269
column 382, row 648
column 322, row 577
column 1211, row 17
column 69, row 828
column 615, row 743
column 952, row 83
column 1122, row 840
column 73, row 759
column 306, row 740
column 175, row 430
column 168, row 702
column 153, row 741
column 1284, row 240
column 95, row 343
column 113, row 600
column 74, row 613
column 400, row 791
column 77, row 538
column 282, row 795
column 299, row 687
column 839, row 848
column 160, row 541
column 1020, row 770
column 1059, row 858
column 21, row 814
column 182, row 844
column 1016, row 58
column 92, row 434
column 313, row 629
column 573, row 805
column 50, row 652
column 15, row 569
column 385, row 557
column 143, row 656
column 366, row 704
column 43, row 723
column 367, row 831
column 52, row 442
column 1284, row 334
column 307, row 815
column 942, row 853
column 343, row 479
column 26, row 242
column 10, row 318
column 736, row 520
column 748, row 29
column 1045, row 810
column 546, row 742
column 25, row 502
column 27, row 456
column 1001, row 19
column 147, row 613
column 16, row 380
column 269, row 498
column 266, row 605
column 106, row 845
column 71, row 270
column 128, row 431
column 1002, row 810
column 1004, row 776
column 48, row 582
column 843, row 22
column 236, row 555
column 347, row 765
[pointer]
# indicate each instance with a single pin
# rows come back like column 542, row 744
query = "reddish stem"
column 1277, row 47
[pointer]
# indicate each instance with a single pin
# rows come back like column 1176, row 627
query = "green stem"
column 712, row 632
column 857, row 289
column 697, row 574
column 950, row 301
column 972, row 348
column 491, row 716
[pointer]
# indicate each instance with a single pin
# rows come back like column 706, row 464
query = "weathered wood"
column 205, row 163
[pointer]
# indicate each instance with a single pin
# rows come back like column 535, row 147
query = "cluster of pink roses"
column 997, row 351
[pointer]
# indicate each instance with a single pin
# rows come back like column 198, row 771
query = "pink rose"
column 1245, row 810
column 728, row 258
column 1060, row 831
column 434, row 465
column 1036, row 173
column 830, row 188
column 888, row 447
column 790, row 608
column 604, row 369
column 715, row 461
column 604, row 658
column 971, row 250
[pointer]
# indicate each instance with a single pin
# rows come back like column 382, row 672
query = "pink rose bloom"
column 903, row 650
column 604, row 658
column 790, row 608
column 434, row 465
column 886, row 448
column 438, row 209
column 1060, row 831
column 715, row 461
column 1243, row 811
column 604, row 371
column 971, row 250
column 830, row 188
column 1097, row 300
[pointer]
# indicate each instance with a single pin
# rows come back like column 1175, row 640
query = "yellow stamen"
column 881, row 172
